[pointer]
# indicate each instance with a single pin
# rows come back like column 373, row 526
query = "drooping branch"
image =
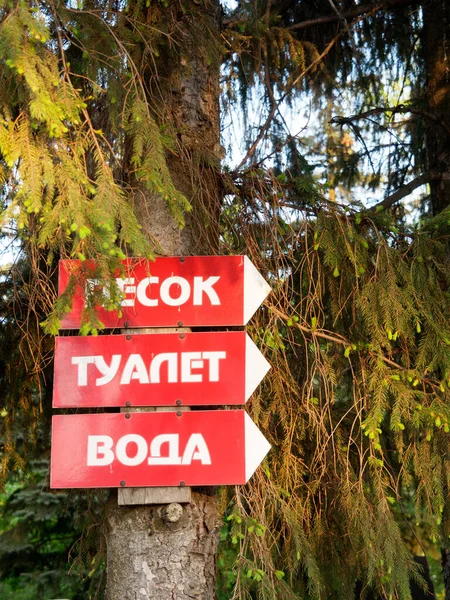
column 365, row 10
column 404, row 191
column 345, row 23
column 400, row 108
column 275, row 107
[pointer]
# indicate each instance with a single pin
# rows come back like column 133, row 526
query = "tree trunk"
column 151, row 554
column 183, row 87
column 168, row 552
column 436, row 15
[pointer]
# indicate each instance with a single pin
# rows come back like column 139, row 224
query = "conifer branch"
column 268, row 121
column 342, row 341
column 404, row 191
column 316, row 332
column 344, row 21
column 400, row 108
column 365, row 10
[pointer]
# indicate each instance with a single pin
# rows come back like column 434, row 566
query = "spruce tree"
column 109, row 147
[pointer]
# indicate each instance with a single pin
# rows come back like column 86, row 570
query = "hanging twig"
column 345, row 23
column 404, row 191
column 366, row 10
column 400, row 108
column 272, row 112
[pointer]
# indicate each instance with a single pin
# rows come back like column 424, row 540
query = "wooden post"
column 154, row 495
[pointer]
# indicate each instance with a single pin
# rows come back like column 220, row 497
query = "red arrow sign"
column 170, row 292
column 155, row 449
column 157, row 370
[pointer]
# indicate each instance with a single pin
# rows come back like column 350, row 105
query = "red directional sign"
column 155, row 449
column 175, row 291
column 164, row 369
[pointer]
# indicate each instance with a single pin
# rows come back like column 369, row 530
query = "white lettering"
column 206, row 287
column 127, row 286
column 82, row 362
column 172, row 367
column 185, row 291
column 214, row 358
column 196, row 449
column 189, row 361
column 167, row 294
column 141, row 292
column 134, row 369
column 173, row 458
column 93, row 285
column 108, row 371
column 99, row 450
column 141, row 449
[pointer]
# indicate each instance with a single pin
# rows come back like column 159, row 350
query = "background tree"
column 108, row 111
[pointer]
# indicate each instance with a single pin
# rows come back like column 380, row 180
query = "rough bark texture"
column 184, row 96
column 149, row 554
column 445, row 560
column 436, row 14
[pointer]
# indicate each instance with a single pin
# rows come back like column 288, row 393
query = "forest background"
column 112, row 144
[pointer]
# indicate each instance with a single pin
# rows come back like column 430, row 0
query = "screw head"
column 180, row 323
column 182, row 336
column 178, row 402
column 127, row 415
column 182, row 484
column 179, row 413
column 182, row 258
column 123, row 483
column 128, row 403
column 128, row 337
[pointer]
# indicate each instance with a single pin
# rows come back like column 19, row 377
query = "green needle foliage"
column 38, row 534
column 63, row 173
column 357, row 403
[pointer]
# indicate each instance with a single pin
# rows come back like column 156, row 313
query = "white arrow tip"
column 256, row 367
column 256, row 289
column 256, row 447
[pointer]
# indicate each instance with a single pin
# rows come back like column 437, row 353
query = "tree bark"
column 436, row 41
column 150, row 555
column 183, row 85
column 168, row 552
